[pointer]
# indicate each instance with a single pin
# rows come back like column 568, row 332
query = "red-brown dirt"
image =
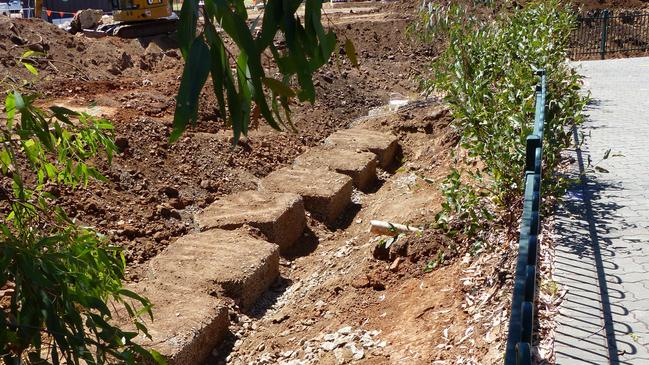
column 154, row 188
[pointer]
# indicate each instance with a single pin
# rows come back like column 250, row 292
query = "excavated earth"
column 261, row 253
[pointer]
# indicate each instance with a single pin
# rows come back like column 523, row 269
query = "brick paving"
column 603, row 228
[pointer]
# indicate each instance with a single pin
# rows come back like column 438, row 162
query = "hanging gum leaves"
column 238, row 77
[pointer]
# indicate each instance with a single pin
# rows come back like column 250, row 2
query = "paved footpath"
column 603, row 249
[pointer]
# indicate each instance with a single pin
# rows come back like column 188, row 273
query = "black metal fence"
column 602, row 32
column 521, row 323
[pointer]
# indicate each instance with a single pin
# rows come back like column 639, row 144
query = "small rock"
column 37, row 47
column 345, row 330
column 152, row 49
column 159, row 236
column 17, row 40
column 130, row 232
column 343, row 356
column 328, row 346
column 167, row 212
column 279, row 318
column 395, row 264
column 330, row 337
column 172, row 53
column 361, row 282
column 357, row 353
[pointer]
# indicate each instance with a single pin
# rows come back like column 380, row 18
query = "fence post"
column 604, row 33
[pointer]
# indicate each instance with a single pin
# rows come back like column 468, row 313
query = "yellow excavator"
column 136, row 18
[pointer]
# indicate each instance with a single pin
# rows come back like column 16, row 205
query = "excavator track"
column 140, row 29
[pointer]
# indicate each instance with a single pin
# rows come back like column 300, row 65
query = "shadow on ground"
column 592, row 329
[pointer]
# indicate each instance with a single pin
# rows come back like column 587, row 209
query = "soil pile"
column 155, row 188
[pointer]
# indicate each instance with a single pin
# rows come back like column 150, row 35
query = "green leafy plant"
column 56, row 276
column 487, row 77
column 296, row 46
column 438, row 261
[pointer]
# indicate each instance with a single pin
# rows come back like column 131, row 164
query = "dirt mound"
column 61, row 55
column 154, row 188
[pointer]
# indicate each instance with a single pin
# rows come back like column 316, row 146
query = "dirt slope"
column 155, row 188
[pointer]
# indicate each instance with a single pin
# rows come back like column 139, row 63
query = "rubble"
column 86, row 19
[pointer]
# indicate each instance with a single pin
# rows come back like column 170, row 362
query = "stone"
column 383, row 145
column 326, row 194
column 230, row 263
column 329, row 337
column 345, row 330
column 343, row 355
column 86, row 19
column 357, row 353
column 279, row 216
column 186, row 325
column 328, row 346
column 153, row 49
column 360, row 166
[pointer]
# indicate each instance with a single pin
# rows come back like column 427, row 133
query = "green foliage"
column 239, row 79
column 487, row 76
column 57, row 276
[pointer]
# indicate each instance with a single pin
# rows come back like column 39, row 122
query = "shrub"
column 57, row 276
column 487, row 76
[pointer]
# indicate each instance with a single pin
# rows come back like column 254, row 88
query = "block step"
column 383, row 145
column 186, row 325
column 219, row 262
column 360, row 166
column 325, row 193
column 279, row 216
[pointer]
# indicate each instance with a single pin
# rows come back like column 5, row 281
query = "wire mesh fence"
column 605, row 32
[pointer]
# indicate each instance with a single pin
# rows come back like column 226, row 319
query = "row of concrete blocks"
column 185, row 281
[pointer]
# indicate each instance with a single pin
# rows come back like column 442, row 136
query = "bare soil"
column 155, row 188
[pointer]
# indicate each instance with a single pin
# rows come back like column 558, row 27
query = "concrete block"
column 325, row 193
column 186, row 325
column 219, row 262
column 383, row 145
column 279, row 216
column 360, row 166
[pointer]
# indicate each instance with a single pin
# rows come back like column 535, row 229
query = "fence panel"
column 521, row 323
column 604, row 32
